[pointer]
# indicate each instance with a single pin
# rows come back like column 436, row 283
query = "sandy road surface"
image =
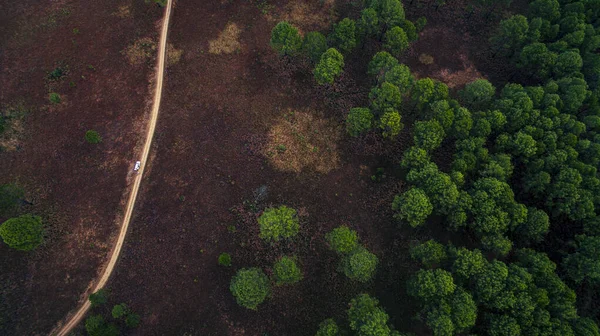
column 74, row 319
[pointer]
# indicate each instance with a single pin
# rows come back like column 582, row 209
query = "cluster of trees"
column 251, row 286
column 539, row 144
column 382, row 21
column 122, row 316
column 356, row 262
column 460, row 287
column 365, row 318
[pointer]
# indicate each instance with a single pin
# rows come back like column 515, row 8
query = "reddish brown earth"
column 76, row 187
column 216, row 112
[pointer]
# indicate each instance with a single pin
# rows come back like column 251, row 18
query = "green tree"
column 428, row 134
column 491, row 281
column 413, row 206
column 414, row 157
column 368, row 24
column 511, row 35
column 443, row 113
column 96, row 326
column 385, row 96
column 572, row 91
column 478, row 93
column 503, row 325
column 440, row 323
column 367, row 318
column 463, row 122
column 429, row 285
column 535, row 228
column 314, row 45
column 438, row 186
column 330, row 66
column 342, row 239
column 545, row 9
column 359, row 121
column 277, row 223
column 390, row 12
column 584, row 263
column 429, row 253
column 467, row 263
column 381, row 63
column 568, row 63
column 463, row 310
column 423, row 91
column 285, row 39
column 343, row 36
column 98, row 298
column 286, row 271
column 328, row 328
column 11, row 196
column 132, row 320
column 395, row 40
column 360, row 264
column 23, row 233
column 390, row 123
column 250, row 287
column 92, row 137
column 400, row 76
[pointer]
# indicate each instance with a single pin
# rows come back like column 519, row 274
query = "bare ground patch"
column 173, row 55
column 227, row 42
column 140, row 51
column 301, row 141
column 306, row 16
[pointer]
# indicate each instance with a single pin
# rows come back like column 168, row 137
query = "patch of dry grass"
column 302, row 141
column 173, row 54
column 123, row 12
column 140, row 51
column 426, row 59
column 227, row 42
column 306, row 16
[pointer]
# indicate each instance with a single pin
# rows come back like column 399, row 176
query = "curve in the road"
column 78, row 316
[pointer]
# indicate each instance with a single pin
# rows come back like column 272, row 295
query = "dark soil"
column 76, row 187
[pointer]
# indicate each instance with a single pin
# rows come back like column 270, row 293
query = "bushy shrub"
column 359, row 264
column 224, row 259
column 286, row 271
column 278, row 223
column 23, row 233
column 92, row 137
column 250, row 287
column 342, row 239
column 54, row 98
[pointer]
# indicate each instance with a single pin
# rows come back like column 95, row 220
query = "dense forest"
column 523, row 183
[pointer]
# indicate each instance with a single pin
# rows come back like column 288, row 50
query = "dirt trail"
column 74, row 320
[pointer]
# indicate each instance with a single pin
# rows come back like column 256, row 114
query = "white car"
column 137, row 166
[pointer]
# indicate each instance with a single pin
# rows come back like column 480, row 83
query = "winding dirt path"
column 74, row 319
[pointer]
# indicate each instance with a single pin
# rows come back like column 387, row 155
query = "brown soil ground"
column 217, row 112
column 76, row 187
